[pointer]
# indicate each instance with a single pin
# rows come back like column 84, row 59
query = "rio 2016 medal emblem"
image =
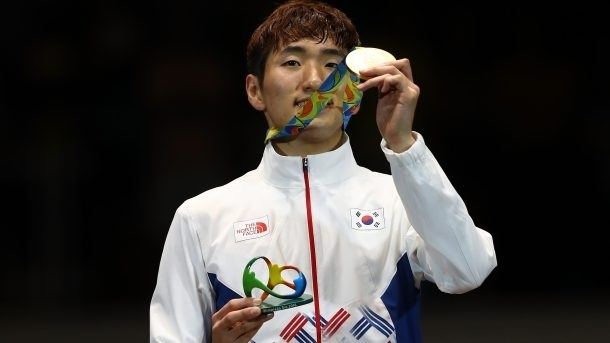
column 364, row 57
column 271, row 299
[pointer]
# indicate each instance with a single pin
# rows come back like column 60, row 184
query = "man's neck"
column 298, row 147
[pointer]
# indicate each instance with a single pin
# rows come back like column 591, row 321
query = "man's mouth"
column 301, row 103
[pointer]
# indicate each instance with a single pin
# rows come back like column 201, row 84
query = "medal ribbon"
column 318, row 100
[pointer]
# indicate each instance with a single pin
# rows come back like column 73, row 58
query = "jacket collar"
column 325, row 168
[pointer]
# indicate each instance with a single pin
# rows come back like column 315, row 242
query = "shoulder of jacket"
column 216, row 195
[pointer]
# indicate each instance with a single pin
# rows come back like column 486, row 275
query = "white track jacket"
column 363, row 241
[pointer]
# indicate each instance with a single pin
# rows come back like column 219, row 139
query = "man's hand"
column 238, row 321
column 397, row 100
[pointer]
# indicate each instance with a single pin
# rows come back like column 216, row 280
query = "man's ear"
column 254, row 92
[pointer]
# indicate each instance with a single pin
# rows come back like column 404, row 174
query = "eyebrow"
column 292, row 49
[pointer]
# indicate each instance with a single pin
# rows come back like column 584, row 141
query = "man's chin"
column 327, row 114
column 319, row 130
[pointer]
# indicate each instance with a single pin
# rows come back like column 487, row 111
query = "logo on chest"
column 250, row 229
column 366, row 220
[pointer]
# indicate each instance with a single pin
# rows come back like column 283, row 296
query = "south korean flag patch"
column 366, row 220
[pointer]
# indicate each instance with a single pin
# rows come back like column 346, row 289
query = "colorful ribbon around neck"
column 318, row 101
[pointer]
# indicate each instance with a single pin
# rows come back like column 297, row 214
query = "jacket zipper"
column 312, row 252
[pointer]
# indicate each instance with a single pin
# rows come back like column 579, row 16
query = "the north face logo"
column 250, row 229
column 261, row 227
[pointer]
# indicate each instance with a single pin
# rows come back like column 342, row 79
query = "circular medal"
column 363, row 58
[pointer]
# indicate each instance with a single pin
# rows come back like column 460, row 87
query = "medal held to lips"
column 346, row 74
column 364, row 58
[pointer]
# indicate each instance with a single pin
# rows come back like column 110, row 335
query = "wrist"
column 401, row 144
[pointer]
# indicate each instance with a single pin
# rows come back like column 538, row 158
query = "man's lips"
column 300, row 103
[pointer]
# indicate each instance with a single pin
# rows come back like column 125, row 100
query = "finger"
column 247, row 336
column 234, row 317
column 234, row 305
column 379, row 70
column 394, row 81
column 403, row 66
column 371, row 83
column 252, row 326
column 390, row 83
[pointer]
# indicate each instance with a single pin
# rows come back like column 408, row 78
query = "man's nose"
column 313, row 76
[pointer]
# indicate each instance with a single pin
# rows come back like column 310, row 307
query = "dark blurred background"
column 115, row 112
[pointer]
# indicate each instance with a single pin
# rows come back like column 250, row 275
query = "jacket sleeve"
column 442, row 241
column 180, row 309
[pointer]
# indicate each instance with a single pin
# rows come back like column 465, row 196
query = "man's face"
column 291, row 75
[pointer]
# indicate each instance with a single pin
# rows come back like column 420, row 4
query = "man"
column 357, row 243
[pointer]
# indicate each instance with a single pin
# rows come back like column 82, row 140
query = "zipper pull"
column 305, row 164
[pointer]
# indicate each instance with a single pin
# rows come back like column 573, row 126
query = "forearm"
column 452, row 252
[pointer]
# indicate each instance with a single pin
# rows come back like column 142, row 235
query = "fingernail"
column 269, row 315
column 256, row 301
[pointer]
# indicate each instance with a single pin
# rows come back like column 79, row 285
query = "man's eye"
column 332, row 65
column 292, row 63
